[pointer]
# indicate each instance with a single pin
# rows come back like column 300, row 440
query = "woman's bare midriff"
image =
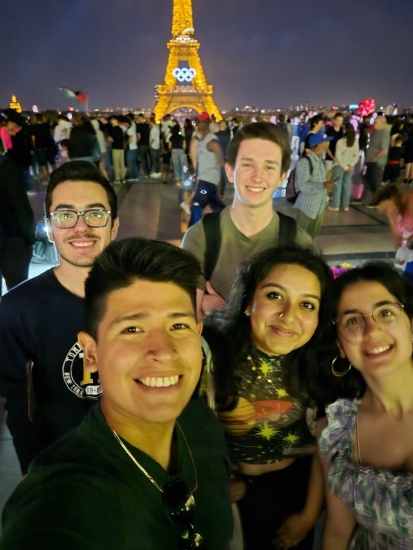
column 259, row 469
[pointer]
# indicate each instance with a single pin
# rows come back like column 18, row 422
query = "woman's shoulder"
column 382, row 497
column 336, row 437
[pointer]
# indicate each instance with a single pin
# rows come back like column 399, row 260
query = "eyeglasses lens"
column 96, row 218
column 66, row 219
column 181, row 507
column 351, row 325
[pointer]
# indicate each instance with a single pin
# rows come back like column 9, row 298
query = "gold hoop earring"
column 280, row 315
column 247, row 313
column 339, row 374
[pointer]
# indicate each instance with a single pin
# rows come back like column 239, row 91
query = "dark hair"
column 352, row 384
column 338, row 115
column 261, row 130
column 350, row 136
column 123, row 262
column 315, row 120
column 80, row 170
column 88, row 126
column 229, row 331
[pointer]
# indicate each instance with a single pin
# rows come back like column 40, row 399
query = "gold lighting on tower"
column 14, row 104
column 185, row 84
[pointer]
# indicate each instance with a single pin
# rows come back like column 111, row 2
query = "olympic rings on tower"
column 183, row 74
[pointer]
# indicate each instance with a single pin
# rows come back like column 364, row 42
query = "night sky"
column 267, row 53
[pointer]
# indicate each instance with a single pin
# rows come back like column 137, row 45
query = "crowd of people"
column 134, row 431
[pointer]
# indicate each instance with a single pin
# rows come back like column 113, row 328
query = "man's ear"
column 90, row 352
column 230, row 172
column 49, row 231
column 114, row 230
column 282, row 178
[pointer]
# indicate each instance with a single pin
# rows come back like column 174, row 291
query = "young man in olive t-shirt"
column 258, row 160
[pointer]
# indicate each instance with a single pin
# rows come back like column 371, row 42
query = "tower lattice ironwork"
column 185, row 84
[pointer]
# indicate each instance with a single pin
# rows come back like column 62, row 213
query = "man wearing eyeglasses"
column 148, row 467
column 47, row 390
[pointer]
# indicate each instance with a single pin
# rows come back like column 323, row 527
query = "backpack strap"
column 311, row 164
column 212, row 230
column 288, row 229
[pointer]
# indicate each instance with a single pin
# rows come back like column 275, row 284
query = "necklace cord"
column 142, row 469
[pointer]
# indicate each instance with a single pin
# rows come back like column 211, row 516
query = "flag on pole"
column 78, row 96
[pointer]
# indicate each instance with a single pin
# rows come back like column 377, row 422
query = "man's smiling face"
column 257, row 172
column 80, row 245
column 148, row 352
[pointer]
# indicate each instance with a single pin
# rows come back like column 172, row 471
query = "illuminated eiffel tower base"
column 185, row 83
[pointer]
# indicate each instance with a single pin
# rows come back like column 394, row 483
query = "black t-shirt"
column 364, row 134
column 143, row 130
column 42, row 136
column 16, row 214
column 177, row 141
column 336, row 136
column 395, row 153
column 116, row 133
column 21, row 150
column 39, row 323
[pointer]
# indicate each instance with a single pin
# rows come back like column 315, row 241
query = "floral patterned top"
column 380, row 500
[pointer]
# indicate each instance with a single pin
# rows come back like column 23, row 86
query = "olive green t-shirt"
column 235, row 248
column 85, row 493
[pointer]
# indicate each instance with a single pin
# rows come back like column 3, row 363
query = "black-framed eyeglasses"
column 67, row 219
column 351, row 325
column 180, row 503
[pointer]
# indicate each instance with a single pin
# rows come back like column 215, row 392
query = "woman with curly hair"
column 263, row 348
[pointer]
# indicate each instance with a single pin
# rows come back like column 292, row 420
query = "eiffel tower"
column 185, row 84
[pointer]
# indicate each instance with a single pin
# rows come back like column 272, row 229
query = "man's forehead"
column 259, row 148
column 79, row 191
column 145, row 299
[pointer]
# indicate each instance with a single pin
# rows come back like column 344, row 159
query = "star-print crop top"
column 268, row 424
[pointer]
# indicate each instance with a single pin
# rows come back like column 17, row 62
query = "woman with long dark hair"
column 367, row 446
column 347, row 156
column 263, row 348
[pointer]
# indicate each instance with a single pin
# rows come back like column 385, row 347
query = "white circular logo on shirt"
column 183, row 74
column 78, row 380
